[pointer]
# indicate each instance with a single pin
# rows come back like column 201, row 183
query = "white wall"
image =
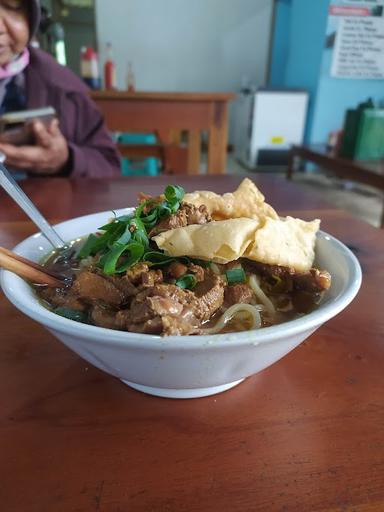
column 187, row 45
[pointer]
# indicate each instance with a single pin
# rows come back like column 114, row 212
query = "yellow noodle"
column 254, row 312
column 254, row 284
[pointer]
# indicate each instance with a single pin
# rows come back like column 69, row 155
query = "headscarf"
column 15, row 68
column 34, row 15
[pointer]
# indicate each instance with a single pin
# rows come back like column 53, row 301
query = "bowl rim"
column 97, row 334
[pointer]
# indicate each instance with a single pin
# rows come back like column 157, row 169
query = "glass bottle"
column 131, row 87
column 109, row 69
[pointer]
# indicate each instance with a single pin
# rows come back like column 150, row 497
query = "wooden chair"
column 168, row 115
column 171, row 153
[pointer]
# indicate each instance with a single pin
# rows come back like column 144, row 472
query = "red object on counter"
column 109, row 70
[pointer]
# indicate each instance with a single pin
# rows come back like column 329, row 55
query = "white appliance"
column 267, row 123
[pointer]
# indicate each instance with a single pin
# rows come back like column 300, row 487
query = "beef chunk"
column 62, row 297
column 151, row 278
column 104, row 317
column 209, row 297
column 160, row 309
column 177, row 269
column 92, row 287
column 187, row 214
column 196, row 214
column 134, row 273
column 180, row 326
column 238, row 294
column 197, row 271
column 314, row 280
column 125, row 286
column 141, row 275
column 268, row 270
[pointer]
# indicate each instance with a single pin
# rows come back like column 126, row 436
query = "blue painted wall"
column 300, row 59
column 335, row 95
column 280, row 46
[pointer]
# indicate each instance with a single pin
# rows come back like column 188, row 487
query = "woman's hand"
column 47, row 157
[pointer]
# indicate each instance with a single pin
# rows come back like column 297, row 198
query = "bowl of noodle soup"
column 183, row 366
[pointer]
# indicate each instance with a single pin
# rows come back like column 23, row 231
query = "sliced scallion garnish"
column 187, row 281
column 235, row 275
column 126, row 237
column 72, row 314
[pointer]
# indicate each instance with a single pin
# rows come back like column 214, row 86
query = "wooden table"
column 369, row 173
column 166, row 113
column 305, row 435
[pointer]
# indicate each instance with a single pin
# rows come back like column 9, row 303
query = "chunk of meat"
column 197, row 271
column 187, row 214
column 125, row 286
column 209, row 297
column 151, row 278
column 238, row 294
column 134, row 273
column 196, row 214
column 314, row 280
column 90, row 287
column 177, row 269
column 104, row 317
column 141, row 275
column 164, row 325
column 160, row 309
column 62, row 297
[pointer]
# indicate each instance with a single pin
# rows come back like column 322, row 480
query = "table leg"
column 291, row 164
column 218, row 138
column 382, row 216
column 194, row 152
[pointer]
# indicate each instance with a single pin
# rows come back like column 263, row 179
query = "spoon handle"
column 13, row 189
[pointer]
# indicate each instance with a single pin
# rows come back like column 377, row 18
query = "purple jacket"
column 92, row 151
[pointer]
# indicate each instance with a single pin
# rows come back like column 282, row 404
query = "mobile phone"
column 16, row 127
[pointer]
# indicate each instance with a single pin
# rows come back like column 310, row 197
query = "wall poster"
column 356, row 32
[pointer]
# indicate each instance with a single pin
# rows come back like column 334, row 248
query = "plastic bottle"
column 131, row 86
column 109, row 70
column 89, row 67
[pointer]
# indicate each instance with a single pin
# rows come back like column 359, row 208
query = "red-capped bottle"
column 89, row 67
column 109, row 70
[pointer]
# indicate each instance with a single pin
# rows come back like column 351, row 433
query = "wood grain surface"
column 306, row 434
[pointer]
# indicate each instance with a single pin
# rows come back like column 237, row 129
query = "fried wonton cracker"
column 287, row 242
column 246, row 201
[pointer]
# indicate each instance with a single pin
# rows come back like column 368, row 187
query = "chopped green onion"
column 187, row 281
column 72, row 314
column 86, row 250
column 134, row 252
column 125, row 218
column 158, row 258
column 174, row 193
column 126, row 237
column 235, row 275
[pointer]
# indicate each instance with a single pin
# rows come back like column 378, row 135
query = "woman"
column 77, row 143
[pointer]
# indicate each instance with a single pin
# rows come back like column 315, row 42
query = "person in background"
column 77, row 142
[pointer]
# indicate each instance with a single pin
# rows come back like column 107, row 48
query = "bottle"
column 130, row 79
column 109, row 70
column 89, row 67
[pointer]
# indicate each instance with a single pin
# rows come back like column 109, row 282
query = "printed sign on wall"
column 358, row 38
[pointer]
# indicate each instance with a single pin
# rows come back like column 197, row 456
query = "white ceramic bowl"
column 182, row 366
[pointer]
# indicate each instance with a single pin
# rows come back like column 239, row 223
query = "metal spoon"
column 13, row 189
